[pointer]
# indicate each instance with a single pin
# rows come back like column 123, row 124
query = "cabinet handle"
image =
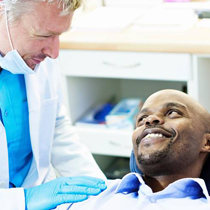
column 114, row 143
column 107, row 63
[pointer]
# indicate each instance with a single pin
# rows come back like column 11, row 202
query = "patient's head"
column 172, row 135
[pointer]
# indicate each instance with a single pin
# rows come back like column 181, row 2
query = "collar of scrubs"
column 15, row 118
column 193, row 187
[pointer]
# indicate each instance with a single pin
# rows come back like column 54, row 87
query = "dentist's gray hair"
column 15, row 8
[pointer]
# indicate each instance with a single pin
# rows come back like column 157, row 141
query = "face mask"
column 12, row 61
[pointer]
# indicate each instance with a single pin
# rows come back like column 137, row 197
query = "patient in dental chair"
column 170, row 160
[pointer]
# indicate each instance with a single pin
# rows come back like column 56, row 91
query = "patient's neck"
column 160, row 182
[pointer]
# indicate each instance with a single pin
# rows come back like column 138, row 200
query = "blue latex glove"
column 62, row 190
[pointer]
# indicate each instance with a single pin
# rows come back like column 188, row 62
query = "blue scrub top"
column 15, row 118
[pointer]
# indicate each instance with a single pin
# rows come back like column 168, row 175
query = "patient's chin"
column 153, row 158
column 154, row 154
column 156, row 162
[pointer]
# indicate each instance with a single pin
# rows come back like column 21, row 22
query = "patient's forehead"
column 161, row 97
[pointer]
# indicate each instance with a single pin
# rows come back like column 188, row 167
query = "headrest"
column 133, row 166
column 205, row 174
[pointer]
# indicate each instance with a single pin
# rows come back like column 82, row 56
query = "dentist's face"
column 36, row 34
column 169, row 132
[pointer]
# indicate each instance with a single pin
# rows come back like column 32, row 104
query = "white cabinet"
column 92, row 77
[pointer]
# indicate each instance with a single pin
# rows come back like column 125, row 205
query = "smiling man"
column 172, row 138
column 171, row 144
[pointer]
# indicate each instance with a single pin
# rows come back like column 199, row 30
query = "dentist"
column 37, row 141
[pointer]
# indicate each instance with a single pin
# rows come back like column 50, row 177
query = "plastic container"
column 123, row 114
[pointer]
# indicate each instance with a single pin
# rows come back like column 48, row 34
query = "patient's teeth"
column 153, row 135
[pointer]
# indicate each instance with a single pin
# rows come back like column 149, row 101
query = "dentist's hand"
column 62, row 190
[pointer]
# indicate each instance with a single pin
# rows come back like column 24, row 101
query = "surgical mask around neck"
column 12, row 61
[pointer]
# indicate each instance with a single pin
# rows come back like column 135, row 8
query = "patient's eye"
column 140, row 120
column 174, row 113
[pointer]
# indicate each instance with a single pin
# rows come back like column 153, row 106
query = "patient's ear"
column 206, row 145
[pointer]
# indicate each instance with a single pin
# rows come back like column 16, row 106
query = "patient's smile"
column 154, row 135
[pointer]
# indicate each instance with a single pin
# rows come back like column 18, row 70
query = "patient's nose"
column 154, row 120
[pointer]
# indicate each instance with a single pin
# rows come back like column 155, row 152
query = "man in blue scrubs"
column 37, row 141
column 171, row 144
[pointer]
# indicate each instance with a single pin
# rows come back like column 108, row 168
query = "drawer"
column 127, row 65
column 106, row 141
